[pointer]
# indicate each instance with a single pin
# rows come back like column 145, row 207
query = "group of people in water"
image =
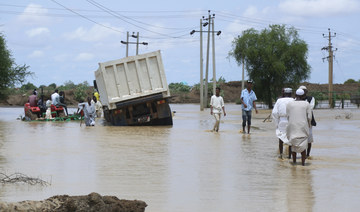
column 293, row 117
column 294, row 120
column 90, row 109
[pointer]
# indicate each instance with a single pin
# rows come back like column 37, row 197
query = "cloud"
column 94, row 34
column 319, row 7
column 251, row 11
column 61, row 58
column 36, row 54
column 34, row 14
column 37, row 31
column 84, row 57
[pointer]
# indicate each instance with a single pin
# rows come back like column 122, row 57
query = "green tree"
column 52, row 86
column 179, row 87
column 80, row 93
column 11, row 74
column 350, row 81
column 274, row 57
column 69, row 85
column 28, row 86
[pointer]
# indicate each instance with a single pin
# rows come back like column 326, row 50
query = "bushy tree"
column 52, row 86
column 179, row 87
column 11, row 74
column 69, row 85
column 273, row 57
column 80, row 93
column 350, row 81
column 28, row 86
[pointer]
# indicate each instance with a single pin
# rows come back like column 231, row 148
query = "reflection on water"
column 184, row 167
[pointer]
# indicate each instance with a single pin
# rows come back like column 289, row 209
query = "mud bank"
column 62, row 203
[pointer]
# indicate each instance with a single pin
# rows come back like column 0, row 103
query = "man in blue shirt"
column 248, row 98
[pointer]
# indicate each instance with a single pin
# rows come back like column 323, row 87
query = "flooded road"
column 186, row 167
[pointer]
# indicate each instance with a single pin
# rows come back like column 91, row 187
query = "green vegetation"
column 351, row 81
column 80, row 93
column 220, row 81
column 28, row 86
column 11, row 74
column 179, row 87
column 52, row 85
column 274, row 57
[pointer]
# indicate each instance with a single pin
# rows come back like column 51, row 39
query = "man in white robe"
column 89, row 112
column 216, row 108
column 280, row 118
column 311, row 101
column 299, row 117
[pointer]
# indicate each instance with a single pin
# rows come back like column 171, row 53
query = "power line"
column 122, row 11
column 87, row 17
column 123, row 18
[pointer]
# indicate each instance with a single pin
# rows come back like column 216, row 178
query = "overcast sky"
column 67, row 41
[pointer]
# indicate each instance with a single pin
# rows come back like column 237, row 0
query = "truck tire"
column 163, row 122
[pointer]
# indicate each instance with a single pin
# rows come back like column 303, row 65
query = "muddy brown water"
column 186, row 167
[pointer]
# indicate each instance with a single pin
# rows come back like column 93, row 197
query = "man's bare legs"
column 303, row 157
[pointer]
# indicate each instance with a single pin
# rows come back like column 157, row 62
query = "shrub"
column 52, row 85
column 179, row 87
column 80, row 93
column 28, row 86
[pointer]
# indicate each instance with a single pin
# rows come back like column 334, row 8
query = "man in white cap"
column 311, row 101
column 299, row 117
column 280, row 118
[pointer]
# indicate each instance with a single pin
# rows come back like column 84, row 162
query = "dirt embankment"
column 90, row 203
column 21, row 99
column 232, row 91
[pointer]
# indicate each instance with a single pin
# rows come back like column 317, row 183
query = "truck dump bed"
column 130, row 78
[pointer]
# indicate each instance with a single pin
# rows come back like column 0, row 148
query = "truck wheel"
column 164, row 121
column 168, row 121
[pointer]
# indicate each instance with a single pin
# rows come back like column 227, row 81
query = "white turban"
column 300, row 92
column 287, row 90
column 303, row 87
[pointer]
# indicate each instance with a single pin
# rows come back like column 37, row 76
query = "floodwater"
column 186, row 167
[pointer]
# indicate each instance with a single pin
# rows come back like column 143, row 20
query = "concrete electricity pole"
column 137, row 43
column 330, row 60
column 203, row 92
column 127, row 44
column 207, row 63
column 213, row 55
column 243, row 71
column 201, row 70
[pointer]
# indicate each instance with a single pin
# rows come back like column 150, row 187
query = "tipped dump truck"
column 134, row 91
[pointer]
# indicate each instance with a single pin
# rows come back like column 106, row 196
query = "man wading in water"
column 299, row 117
column 248, row 98
column 311, row 101
column 280, row 118
column 216, row 104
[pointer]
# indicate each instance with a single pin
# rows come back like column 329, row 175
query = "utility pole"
column 207, row 62
column 127, row 44
column 243, row 71
column 203, row 94
column 213, row 55
column 137, row 43
column 201, row 70
column 330, row 60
